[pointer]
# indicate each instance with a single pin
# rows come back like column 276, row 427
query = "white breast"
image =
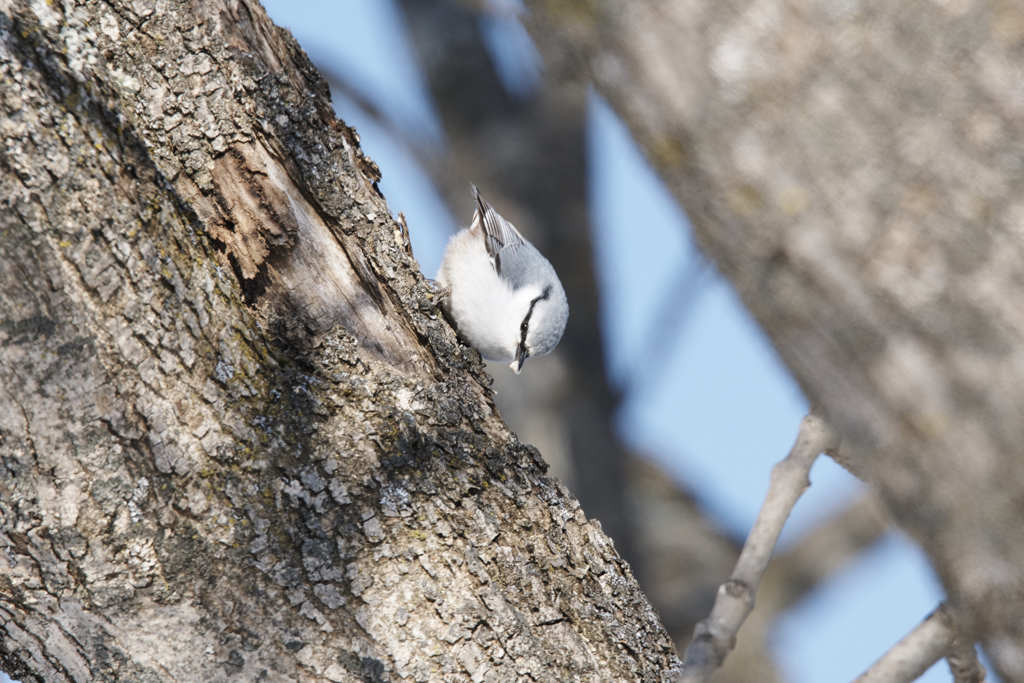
column 483, row 305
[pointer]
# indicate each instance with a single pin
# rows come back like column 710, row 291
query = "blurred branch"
column 715, row 636
column 917, row 651
column 677, row 305
column 964, row 663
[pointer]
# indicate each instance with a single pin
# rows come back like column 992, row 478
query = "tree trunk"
column 237, row 439
column 854, row 169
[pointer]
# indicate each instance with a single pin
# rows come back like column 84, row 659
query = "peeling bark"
column 236, row 439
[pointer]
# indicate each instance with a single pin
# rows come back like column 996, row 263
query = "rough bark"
column 237, row 441
column 853, row 169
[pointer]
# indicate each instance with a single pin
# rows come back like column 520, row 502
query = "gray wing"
column 520, row 264
column 501, row 239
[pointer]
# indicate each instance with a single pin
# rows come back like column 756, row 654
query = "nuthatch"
column 503, row 295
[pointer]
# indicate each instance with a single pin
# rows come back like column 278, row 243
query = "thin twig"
column 932, row 639
column 715, row 636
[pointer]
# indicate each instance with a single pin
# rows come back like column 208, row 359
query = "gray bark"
column 854, row 170
column 237, row 440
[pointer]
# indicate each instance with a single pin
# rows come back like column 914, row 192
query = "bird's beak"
column 521, row 355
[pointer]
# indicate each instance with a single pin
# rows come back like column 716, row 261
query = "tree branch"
column 715, row 636
column 915, row 653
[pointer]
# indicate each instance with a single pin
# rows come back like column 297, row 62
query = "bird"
column 505, row 298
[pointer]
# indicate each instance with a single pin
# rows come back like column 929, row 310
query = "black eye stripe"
column 525, row 325
column 544, row 295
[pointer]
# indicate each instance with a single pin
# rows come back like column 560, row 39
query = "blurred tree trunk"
column 236, row 441
column 854, row 169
